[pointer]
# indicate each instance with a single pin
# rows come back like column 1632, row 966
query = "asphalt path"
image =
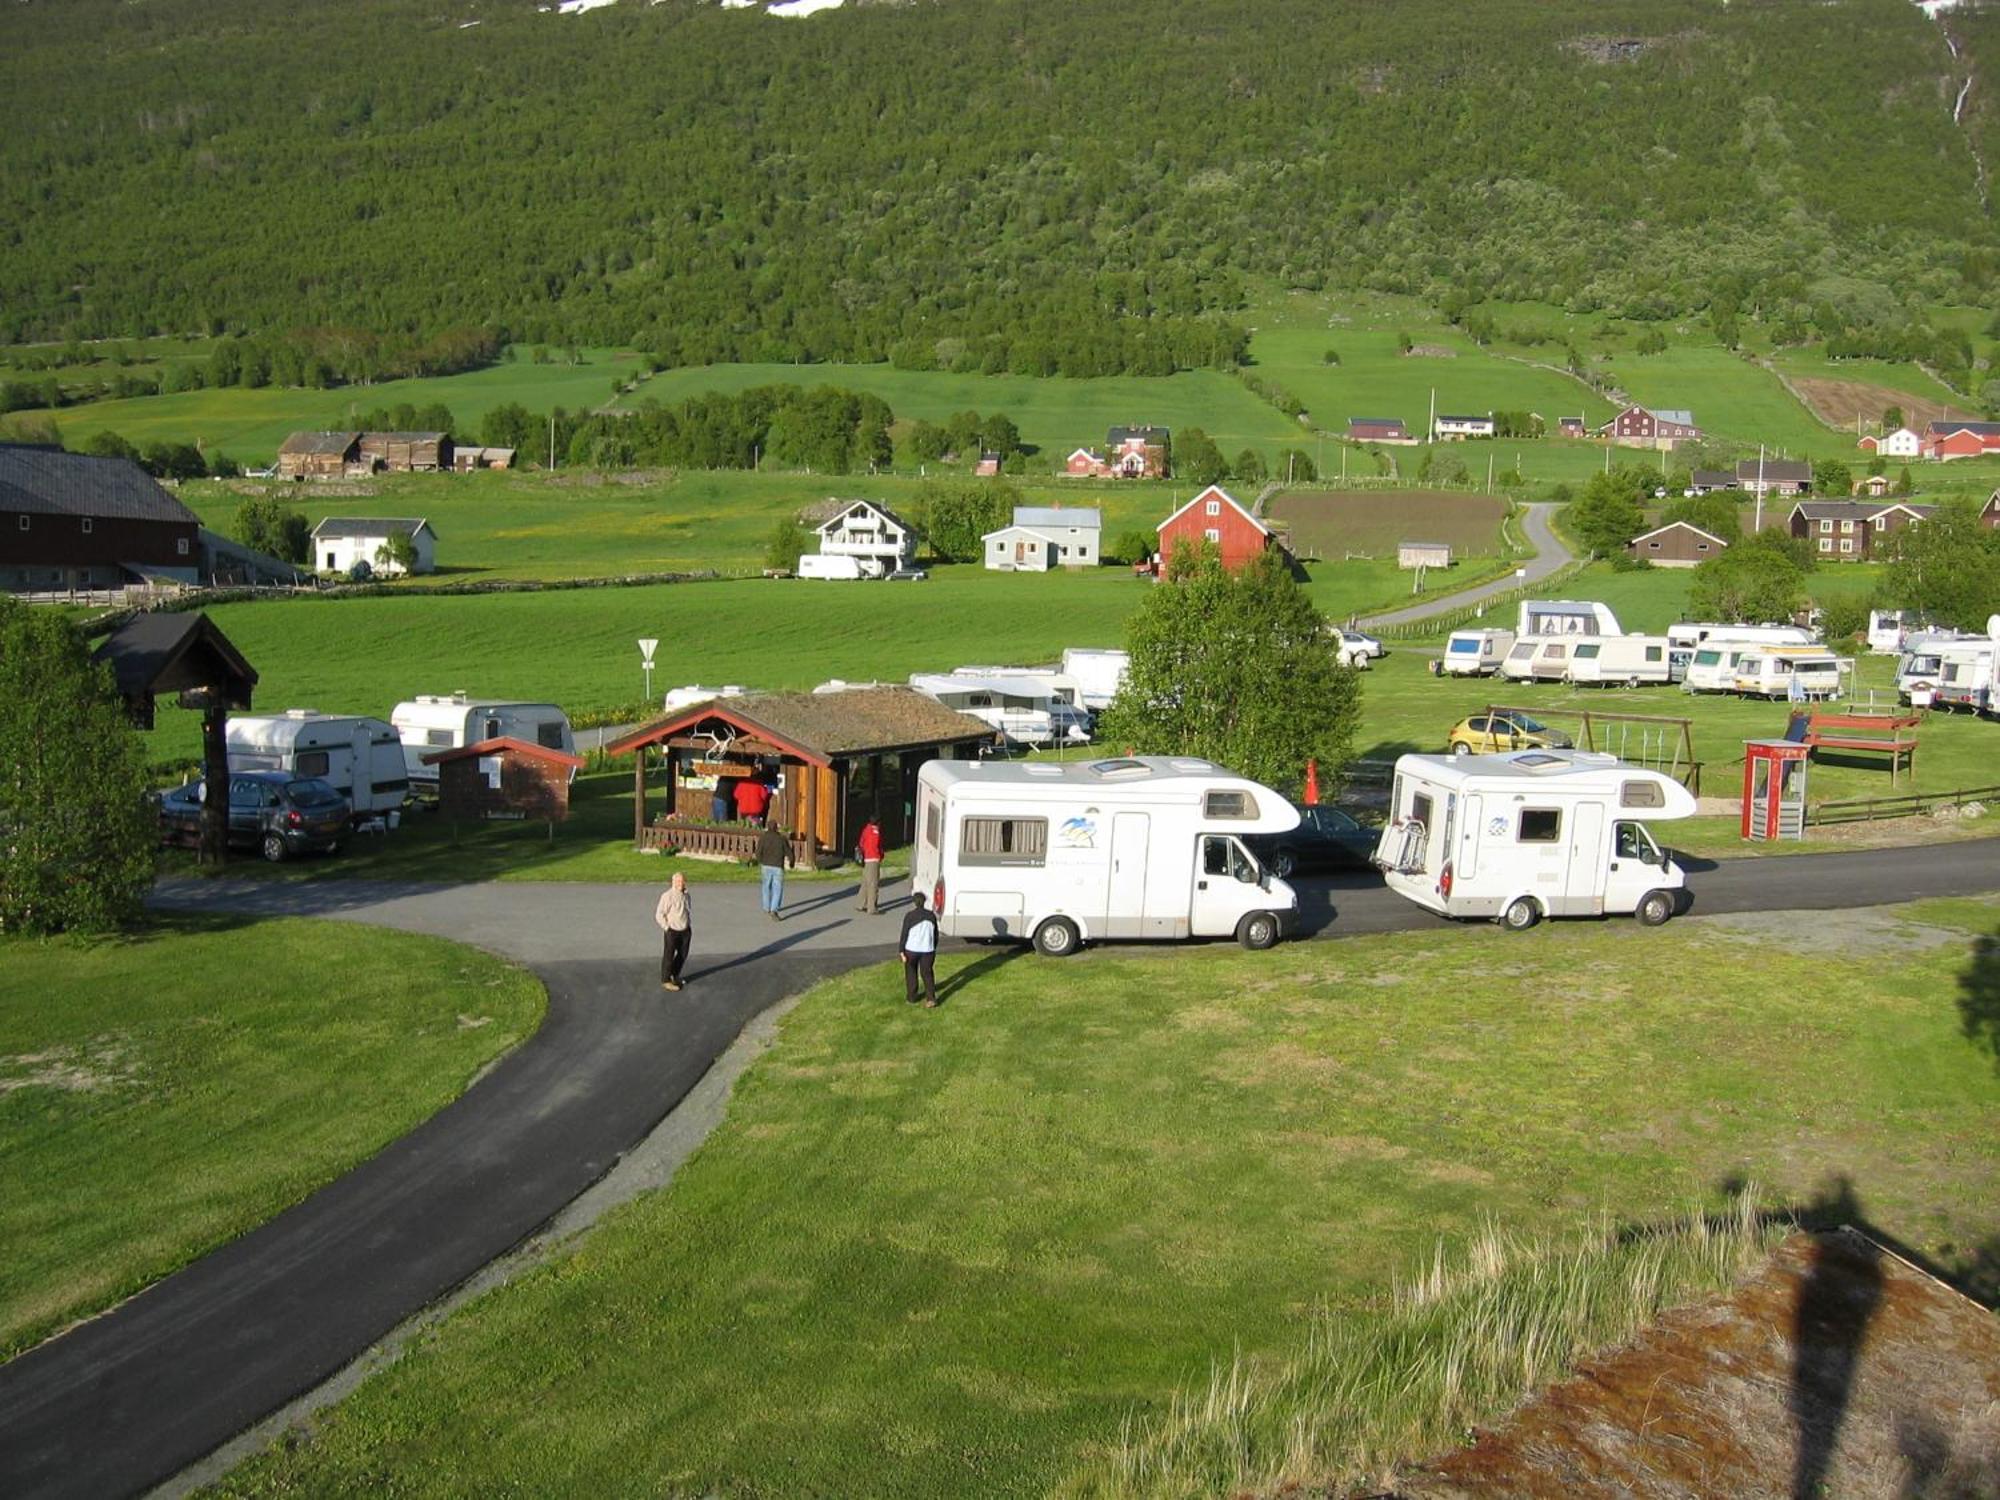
column 1550, row 555
column 127, row 1400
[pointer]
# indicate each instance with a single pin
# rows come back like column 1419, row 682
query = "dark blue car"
column 274, row 812
column 1326, row 839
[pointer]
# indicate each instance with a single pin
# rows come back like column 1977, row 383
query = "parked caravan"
column 1476, row 653
column 1921, row 664
column 1099, row 673
column 692, row 693
column 1566, row 617
column 1536, row 658
column 1712, row 668
column 431, row 723
column 1893, row 630
column 1627, row 659
column 1684, row 639
column 1532, row 834
column 1969, row 673
column 359, row 757
column 1810, row 672
column 836, row 566
column 1064, row 854
column 1027, row 707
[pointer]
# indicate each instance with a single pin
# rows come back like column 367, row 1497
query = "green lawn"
column 955, row 1253
column 1732, row 399
column 163, row 1093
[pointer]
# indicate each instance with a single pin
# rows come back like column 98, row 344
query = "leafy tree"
column 174, row 461
column 397, row 554
column 1750, row 583
column 1892, row 418
column 222, row 466
column 1715, row 513
column 926, row 441
column 953, row 518
column 1249, row 467
column 1235, row 668
column 1606, row 515
column 1330, row 357
column 1903, row 486
column 1441, row 466
column 1297, row 466
column 1833, row 478
column 789, row 541
column 1196, row 458
column 265, row 525
column 1842, row 617
column 1136, row 545
column 108, row 444
column 1947, row 566
column 76, row 831
column 998, row 434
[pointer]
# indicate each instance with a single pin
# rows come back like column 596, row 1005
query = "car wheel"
column 1654, row 908
column 1461, row 748
column 1056, row 938
column 1258, row 931
column 1283, row 863
column 1520, row 915
column 274, row 847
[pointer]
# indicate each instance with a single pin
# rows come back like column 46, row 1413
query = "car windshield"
column 311, row 794
column 1527, row 725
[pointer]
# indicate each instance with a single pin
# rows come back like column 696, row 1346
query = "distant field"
column 1731, row 397
column 1337, row 523
column 1856, row 406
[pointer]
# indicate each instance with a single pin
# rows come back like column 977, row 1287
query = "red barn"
column 1948, row 440
column 1085, row 464
column 1213, row 517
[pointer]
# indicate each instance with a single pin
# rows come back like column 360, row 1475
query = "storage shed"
column 1423, row 554
column 505, row 779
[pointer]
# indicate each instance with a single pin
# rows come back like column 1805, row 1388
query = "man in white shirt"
column 919, row 950
column 675, row 917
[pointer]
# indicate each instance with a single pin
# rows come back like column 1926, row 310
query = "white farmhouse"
column 339, row 542
column 1044, row 537
column 878, row 539
column 1902, row 443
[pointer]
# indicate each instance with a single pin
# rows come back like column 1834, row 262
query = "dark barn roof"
column 373, row 526
column 169, row 653
column 824, row 726
column 1144, row 434
column 333, row 444
column 45, row 481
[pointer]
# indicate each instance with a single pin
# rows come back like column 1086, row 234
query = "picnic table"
column 1885, row 733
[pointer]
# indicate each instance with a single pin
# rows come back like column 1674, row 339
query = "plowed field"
column 1840, row 402
column 1333, row 524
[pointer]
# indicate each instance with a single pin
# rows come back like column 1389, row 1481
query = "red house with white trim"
column 1948, row 440
column 1213, row 517
column 1084, row 463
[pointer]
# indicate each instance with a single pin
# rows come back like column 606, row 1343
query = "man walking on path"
column 871, row 866
column 919, row 949
column 675, row 914
column 774, row 852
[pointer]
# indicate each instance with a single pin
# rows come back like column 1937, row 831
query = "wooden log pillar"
column 212, row 849
column 638, row 797
column 804, row 806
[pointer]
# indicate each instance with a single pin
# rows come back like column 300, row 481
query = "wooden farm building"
column 1676, row 545
column 339, row 455
column 504, row 778
column 1423, row 554
column 1851, row 530
column 319, row 455
column 1379, row 430
column 1213, row 518
column 1773, row 476
column 69, row 521
column 839, row 759
column 406, row 452
column 1645, row 427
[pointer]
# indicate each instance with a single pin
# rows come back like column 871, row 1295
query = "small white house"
column 873, row 535
column 1902, row 443
column 1457, row 429
column 339, row 542
column 1043, row 537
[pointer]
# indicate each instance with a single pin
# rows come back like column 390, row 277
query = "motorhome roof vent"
column 1042, row 768
column 1539, row 762
column 301, row 713
column 1125, row 768
column 1194, row 765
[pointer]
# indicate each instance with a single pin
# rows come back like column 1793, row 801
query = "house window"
column 181, row 545
column 1003, row 841
column 24, row 523
column 1540, row 825
column 1847, row 544
column 1826, row 544
column 1847, row 526
column 1214, row 508
column 1701, row 546
column 86, row 525
column 1652, row 546
column 1212, row 535
column 1826, row 526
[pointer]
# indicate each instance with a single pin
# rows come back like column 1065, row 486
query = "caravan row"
column 1952, row 671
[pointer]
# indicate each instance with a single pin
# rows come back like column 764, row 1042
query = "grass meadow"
column 164, row 1092
column 967, row 1251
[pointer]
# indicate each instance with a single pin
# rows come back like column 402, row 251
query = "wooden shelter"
column 186, row 654
column 504, row 778
column 838, row 758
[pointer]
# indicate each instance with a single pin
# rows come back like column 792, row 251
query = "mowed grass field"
column 1335, row 524
column 956, row 1252
column 1732, row 398
column 163, row 1092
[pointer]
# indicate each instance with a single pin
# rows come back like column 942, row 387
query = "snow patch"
column 783, row 7
column 578, row 7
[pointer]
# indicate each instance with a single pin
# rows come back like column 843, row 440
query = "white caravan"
column 837, row 566
column 440, row 722
column 1566, row 617
column 1476, row 653
column 1099, row 673
column 1531, row 834
column 1812, row 672
column 1539, row 658
column 1027, row 707
column 1062, row 854
column 1922, row 663
column 361, row 758
column 1712, row 668
column 694, row 692
column 1969, row 673
column 1894, row 630
column 1629, row 660
column 1684, row 639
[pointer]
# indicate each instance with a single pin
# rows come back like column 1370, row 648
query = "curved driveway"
column 129, row 1399
column 1550, row 556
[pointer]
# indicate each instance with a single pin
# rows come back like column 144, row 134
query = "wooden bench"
column 1872, row 732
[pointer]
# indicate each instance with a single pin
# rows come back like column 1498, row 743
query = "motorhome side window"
column 1221, row 805
column 1641, row 794
column 437, row 736
column 1540, row 825
column 1003, row 841
column 1420, row 809
column 549, row 735
column 313, row 763
column 933, row 825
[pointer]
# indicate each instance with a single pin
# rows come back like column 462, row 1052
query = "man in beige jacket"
column 675, row 916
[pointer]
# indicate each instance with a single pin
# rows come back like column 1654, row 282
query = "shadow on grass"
column 978, row 969
column 1979, row 996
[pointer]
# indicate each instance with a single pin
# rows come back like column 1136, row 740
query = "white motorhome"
column 1566, row 617
column 1921, row 664
column 1788, row 672
column 1026, row 706
column 1539, row 658
column 1099, row 673
column 1893, row 630
column 1969, row 674
column 1063, row 854
column 1531, row 834
column 446, row 722
column 1625, row 659
column 835, row 566
column 694, row 692
column 360, row 757
column 1476, row 653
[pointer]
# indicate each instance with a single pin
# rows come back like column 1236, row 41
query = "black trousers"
column 926, row 964
column 674, row 954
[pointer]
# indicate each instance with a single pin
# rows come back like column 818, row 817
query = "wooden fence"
column 1908, row 805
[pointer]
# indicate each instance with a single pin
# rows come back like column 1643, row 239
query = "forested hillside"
column 1081, row 186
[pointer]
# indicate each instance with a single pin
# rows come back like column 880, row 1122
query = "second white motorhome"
column 1476, row 653
column 1566, row 617
column 447, row 722
column 1684, row 639
column 1531, row 834
column 1623, row 660
column 1539, row 658
column 837, row 567
column 1026, row 706
column 1968, row 675
column 1064, row 854
column 359, row 757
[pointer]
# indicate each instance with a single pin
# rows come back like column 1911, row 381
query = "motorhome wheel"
column 274, row 847
column 1654, row 908
column 1257, row 931
column 1520, row 915
column 1056, row 938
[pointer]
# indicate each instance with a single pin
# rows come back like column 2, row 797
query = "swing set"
column 1657, row 742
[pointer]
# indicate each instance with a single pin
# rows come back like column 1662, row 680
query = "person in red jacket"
column 753, row 799
column 871, row 866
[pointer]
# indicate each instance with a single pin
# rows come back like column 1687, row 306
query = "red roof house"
column 1084, row 464
column 1214, row 518
column 504, row 778
column 1949, row 440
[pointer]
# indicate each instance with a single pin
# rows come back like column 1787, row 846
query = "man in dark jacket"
column 918, row 947
column 774, row 852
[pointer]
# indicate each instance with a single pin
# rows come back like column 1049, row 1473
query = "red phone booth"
column 1774, row 789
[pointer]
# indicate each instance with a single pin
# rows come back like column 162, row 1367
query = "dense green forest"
column 1042, row 186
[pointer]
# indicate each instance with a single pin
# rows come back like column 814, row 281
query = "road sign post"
column 646, row 650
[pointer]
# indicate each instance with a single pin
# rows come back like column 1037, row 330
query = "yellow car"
column 1483, row 735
